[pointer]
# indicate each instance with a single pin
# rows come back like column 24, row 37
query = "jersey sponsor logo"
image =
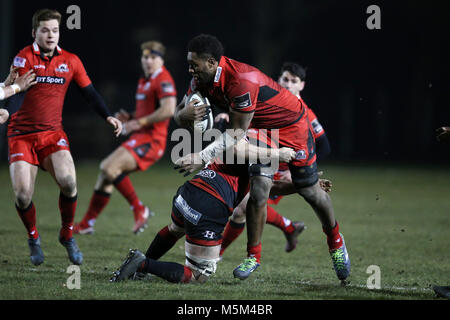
column 190, row 214
column 39, row 66
column 19, row 62
column 51, row 80
column 316, row 126
column 141, row 96
column 167, row 87
column 209, row 234
column 218, row 73
column 62, row 68
column 131, row 143
column 16, row 155
column 242, row 101
column 62, row 142
column 300, row 155
column 210, row 174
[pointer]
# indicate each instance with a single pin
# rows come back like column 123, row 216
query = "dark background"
column 380, row 94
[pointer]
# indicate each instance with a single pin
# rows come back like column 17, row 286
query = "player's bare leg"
column 61, row 167
column 23, row 177
column 114, row 171
column 321, row 203
column 256, row 213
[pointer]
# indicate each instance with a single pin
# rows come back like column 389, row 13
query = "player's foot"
column 129, row 267
column 291, row 238
column 83, row 228
column 244, row 270
column 141, row 219
column 140, row 276
column 75, row 255
column 341, row 261
column 442, row 291
column 36, row 253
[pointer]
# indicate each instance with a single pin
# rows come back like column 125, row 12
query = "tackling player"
column 155, row 105
column 292, row 77
column 13, row 85
column 200, row 211
column 35, row 135
column 257, row 101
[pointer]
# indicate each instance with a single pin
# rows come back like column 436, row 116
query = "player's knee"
column 108, row 172
column 313, row 195
column 259, row 191
column 68, row 185
column 238, row 215
column 23, row 198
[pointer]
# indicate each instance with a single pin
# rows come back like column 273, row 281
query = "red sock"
column 254, row 251
column 163, row 242
column 232, row 231
column 187, row 275
column 99, row 200
column 277, row 220
column 28, row 217
column 67, row 207
column 125, row 187
column 334, row 239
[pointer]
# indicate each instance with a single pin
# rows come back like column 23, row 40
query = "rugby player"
column 200, row 211
column 256, row 101
column 292, row 77
column 147, row 126
column 35, row 134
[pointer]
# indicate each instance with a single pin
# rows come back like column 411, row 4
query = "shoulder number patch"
column 243, row 101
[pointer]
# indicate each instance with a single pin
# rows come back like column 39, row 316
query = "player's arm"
column 443, row 134
column 164, row 112
column 323, row 148
column 249, row 151
column 96, row 102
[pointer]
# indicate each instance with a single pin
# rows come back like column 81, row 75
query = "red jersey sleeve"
column 166, row 88
column 317, row 127
column 22, row 62
column 243, row 96
column 79, row 73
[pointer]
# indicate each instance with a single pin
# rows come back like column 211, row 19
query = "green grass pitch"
column 394, row 217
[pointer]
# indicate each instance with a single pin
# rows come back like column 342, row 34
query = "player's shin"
column 170, row 271
column 67, row 207
column 162, row 243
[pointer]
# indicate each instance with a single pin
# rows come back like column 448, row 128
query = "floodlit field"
column 396, row 218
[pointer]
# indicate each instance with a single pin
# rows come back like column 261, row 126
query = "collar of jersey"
column 219, row 72
column 37, row 51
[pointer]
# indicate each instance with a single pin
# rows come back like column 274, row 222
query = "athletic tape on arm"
column 224, row 142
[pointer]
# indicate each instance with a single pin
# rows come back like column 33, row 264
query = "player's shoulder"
column 69, row 55
column 164, row 75
column 25, row 52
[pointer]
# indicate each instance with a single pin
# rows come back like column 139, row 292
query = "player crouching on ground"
column 200, row 211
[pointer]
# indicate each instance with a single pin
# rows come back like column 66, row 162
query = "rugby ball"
column 202, row 125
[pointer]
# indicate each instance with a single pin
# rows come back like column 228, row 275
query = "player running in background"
column 155, row 105
column 35, row 134
column 256, row 101
column 200, row 210
column 292, row 77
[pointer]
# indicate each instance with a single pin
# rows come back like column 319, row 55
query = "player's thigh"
column 23, row 177
column 61, row 167
column 239, row 212
column 202, row 260
column 120, row 160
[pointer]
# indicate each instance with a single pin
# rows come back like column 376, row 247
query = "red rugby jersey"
column 247, row 89
column 42, row 107
column 149, row 92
